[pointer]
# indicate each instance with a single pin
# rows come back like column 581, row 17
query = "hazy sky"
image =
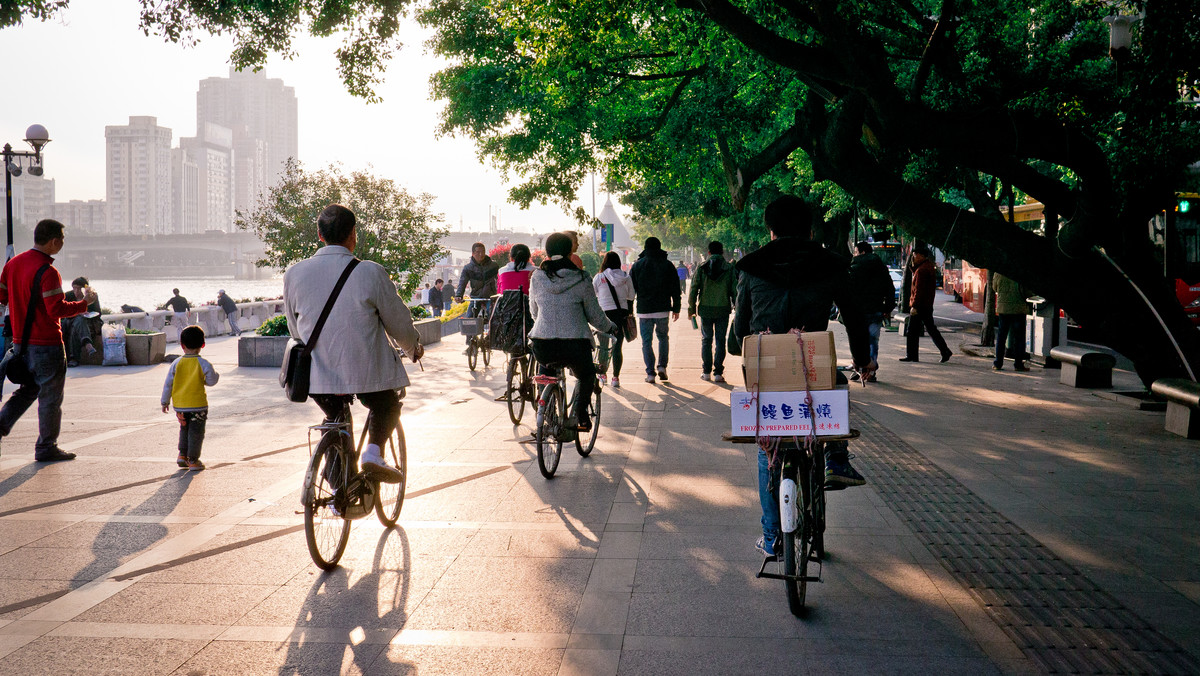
column 93, row 67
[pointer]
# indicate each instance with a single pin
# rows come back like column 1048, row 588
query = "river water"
column 148, row 294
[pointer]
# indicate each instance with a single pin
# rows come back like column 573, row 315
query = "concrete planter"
column 261, row 350
column 430, row 330
column 452, row 326
column 142, row 349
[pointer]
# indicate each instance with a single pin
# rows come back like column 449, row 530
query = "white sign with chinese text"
column 785, row 414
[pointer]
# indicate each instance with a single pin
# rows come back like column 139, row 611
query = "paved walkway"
column 1011, row 525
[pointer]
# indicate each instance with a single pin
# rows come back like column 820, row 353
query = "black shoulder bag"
column 14, row 365
column 297, row 361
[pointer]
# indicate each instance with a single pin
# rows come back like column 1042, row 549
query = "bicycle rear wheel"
column 517, row 376
column 389, row 498
column 551, row 419
column 486, row 348
column 472, row 354
column 817, row 493
column 593, row 412
column 325, row 531
column 795, row 561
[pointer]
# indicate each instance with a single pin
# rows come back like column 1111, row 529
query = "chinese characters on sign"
column 788, row 413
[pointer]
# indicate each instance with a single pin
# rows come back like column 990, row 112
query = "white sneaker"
column 718, row 378
column 603, row 379
column 616, row 383
column 373, row 463
column 650, row 379
column 705, row 377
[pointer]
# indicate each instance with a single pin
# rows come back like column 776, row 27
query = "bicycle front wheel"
column 325, row 531
column 389, row 498
column 513, row 394
column 585, row 446
column 551, row 419
column 472, row 354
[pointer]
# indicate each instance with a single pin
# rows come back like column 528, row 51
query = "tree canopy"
column 925, row 112
column 395, row 229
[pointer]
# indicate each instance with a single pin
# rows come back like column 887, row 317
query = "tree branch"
column 662, row 115
column 739, row 178
column 933, row 48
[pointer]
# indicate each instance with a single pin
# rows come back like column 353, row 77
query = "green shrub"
column 275, row 326
column 420, row 312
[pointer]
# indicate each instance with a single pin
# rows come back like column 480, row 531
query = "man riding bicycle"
column 354, row 355
column 791, row 283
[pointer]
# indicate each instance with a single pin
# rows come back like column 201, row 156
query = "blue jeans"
column 836, row 451
column 874, row 323
column 1006, row 326
column 659, row 327
column 710, row 329
column 49, row 366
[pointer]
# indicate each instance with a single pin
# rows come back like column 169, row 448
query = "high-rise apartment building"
column 32, row 199
column 212, row 152
column 185, row 188
column 80, row 217
column 262, row 114
column 138, row 163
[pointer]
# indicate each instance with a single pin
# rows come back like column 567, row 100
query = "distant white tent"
column 621, row 238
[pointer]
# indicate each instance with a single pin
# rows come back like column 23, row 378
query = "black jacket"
column 482, row 277
column 656, row 283
column 871, row 284
column 792, row 284
column 435, row 297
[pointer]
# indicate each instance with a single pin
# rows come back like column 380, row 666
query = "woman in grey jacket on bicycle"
column 563, row 304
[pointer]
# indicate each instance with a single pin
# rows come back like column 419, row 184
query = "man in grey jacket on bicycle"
column 354, row 355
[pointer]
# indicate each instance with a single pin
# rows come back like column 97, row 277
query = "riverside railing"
column 209, row 317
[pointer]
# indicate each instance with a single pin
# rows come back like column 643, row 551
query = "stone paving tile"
column 149, row 602
column 238, row 658
column 727, row 611
column 15, row 534
column 526, row 611
column 18, row 592
column 505, row 574
column 465, row 660
column 37, row 563
column 76, row 655
column 568, row 543
column 223, row 560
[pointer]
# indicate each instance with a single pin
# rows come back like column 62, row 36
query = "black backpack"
column 511, row 322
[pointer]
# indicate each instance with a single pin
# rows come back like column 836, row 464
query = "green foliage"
column 420, row 312
column 275, row 326
column 141, row 332
column 591, row 262
column 395, row 229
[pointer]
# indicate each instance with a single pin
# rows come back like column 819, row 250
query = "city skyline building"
column 185, row 186
column 88, row 217
column 212, row 151
column 262, row 113
column 138, row 177
column 32, row 199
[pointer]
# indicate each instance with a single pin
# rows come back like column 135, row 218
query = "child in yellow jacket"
column 186, row 380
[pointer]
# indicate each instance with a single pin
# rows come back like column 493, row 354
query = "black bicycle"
column 519, row 388
column 336, row 492
column 555, row 427
column 475, row 327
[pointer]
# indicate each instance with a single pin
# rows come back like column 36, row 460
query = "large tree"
column 395, row 229
column 916, row 109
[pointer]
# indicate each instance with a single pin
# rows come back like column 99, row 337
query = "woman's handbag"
column 14, row 366
column 630, row 321
column 297, row 361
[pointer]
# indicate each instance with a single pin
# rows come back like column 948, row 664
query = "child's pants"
column 191, row 432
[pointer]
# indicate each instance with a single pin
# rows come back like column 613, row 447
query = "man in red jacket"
column 921, row 311
column 44, row 350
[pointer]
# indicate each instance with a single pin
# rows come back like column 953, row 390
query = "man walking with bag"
column 32, row 289
column 714, row 286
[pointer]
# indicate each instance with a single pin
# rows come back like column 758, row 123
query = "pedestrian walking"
column 658, row 296
column 614, row 289
column 436, row 300
column 226, row 303
column 29, row 283
column 684, row 273
column 185, row 388
column 920, row 311
column 713, row 292
column 874, row 292
column 1011, row 310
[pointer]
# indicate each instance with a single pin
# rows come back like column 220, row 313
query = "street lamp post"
column 37, row 137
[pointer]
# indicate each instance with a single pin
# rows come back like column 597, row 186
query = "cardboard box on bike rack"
column 785, row 414
column 774, row 362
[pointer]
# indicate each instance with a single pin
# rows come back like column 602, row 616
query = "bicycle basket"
column 470, row 326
